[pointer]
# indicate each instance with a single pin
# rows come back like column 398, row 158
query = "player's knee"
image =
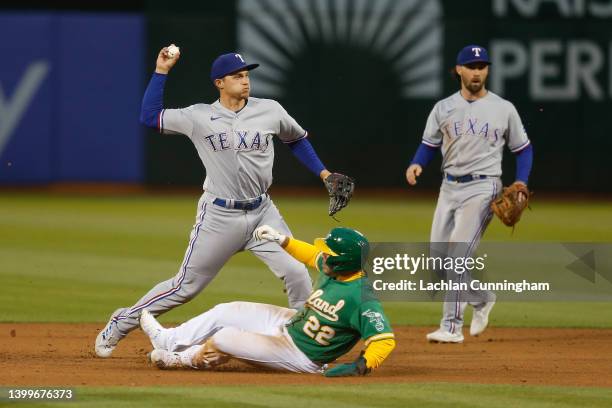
column 224, row 339
column 296, row 272
column 190, row 287
column 298, row 279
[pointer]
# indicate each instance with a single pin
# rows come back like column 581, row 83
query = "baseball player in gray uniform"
column 471, row 128
column 234, row 138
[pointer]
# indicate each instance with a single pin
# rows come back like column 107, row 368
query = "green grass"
column 75, row 259
column 439, row 395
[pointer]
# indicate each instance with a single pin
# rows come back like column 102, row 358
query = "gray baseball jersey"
column 238, row 152
column 236, row 148
column 472, row 134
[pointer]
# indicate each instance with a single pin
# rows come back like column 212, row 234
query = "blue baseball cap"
column 228, row 63
column 473, row 53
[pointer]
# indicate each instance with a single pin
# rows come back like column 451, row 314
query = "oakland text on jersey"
column 324, row 308
column 239, row 140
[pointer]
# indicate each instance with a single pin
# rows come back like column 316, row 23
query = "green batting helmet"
column 346, row 247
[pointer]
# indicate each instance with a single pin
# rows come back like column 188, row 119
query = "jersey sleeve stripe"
column 304, row 136
column 521, row 147
column 160, row 121
column 425, row 142
column 377, row 337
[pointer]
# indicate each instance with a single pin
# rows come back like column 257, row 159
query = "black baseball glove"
column 340, row 188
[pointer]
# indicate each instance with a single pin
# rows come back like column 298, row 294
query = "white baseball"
column 172, row 51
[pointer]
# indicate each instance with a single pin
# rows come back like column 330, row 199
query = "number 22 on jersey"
column 320, row 334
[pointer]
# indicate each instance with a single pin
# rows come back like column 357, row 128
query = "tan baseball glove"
column 510, row 205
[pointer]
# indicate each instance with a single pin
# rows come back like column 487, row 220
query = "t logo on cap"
column 473, row 53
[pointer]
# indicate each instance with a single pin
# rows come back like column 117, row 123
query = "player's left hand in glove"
column 357, row 367
column 511, row 203
column 340, row 188
column 267, row 233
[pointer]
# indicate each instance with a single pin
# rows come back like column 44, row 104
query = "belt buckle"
column 248, row 205
column 466, row 178
column 255, row 203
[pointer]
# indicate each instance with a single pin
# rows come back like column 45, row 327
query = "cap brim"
column 320, row 244
column 475, row 60
column 245, row 68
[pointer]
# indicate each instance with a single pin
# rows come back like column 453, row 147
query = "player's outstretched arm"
column 300, row 250
column 153, row 99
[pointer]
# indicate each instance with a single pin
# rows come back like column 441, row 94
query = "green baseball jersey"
column 336, row 315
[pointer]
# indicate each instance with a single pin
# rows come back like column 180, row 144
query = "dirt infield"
column 62, row 354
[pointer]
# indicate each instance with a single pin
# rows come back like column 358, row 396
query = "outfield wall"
column 70, row 85
column 360, row 76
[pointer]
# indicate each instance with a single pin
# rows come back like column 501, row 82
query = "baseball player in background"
column 340, row 311
column 470, row 128
column 234, row 139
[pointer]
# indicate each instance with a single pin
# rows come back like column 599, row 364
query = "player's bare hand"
column 412, row 173
column 267, row 233
column 167, row 57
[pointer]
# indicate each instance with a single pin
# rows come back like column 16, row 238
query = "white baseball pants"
column 251, row 332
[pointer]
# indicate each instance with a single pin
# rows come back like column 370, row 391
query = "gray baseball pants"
column 461, row 218
column 217, row 234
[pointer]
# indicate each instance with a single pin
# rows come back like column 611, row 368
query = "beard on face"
column 473, row 86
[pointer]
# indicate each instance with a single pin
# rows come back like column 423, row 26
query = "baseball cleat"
column 443, row 336
column 480, row 319
column 107, row 339
column 165, row 360
column 153, row 329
